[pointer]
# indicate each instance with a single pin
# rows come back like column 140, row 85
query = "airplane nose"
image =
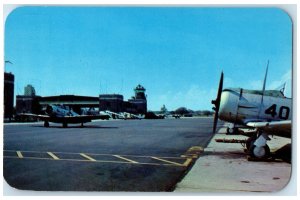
column 224, row 105
column 228, row 106
column 49, row 110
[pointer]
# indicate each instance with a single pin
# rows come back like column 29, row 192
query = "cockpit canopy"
column 272, row 93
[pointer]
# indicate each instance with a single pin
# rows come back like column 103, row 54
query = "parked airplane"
column 123, row 115
column 267, row 111
column 114, row 115
column 132, row 116
column 64, row 115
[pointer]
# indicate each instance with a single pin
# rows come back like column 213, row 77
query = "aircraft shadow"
column 226, row 155
column 284, row 153
column 70, row 127
column 281, row 155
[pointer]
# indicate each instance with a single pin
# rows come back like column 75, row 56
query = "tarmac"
column 224, row 168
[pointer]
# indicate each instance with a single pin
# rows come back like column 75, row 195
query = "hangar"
column 71, row 100
column 114, row 102
column 34, row 104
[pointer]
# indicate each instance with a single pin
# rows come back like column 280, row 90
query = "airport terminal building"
column 31, row 103
column 9, row 83
column 115, row 102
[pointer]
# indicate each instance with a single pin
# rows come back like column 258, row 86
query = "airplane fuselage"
column 239, row 107
column 269, row 112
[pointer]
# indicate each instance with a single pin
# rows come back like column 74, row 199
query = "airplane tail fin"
column 281, row 88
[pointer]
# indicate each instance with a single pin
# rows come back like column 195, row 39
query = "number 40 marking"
column 283, row 111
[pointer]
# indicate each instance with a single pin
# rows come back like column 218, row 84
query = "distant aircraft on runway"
column 132, row 116
column 123, row 115
column 114, row 115
column 267, row 111
column 61, row 114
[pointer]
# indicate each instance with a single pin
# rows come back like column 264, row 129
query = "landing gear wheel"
column 260, row 152
column 249, row 142
column 231, row 131
column 46, row 124
column 65, row 125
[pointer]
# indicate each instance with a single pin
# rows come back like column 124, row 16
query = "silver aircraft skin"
column 64, row 115
column 114, row 115
column 123, row 115
column 267, row 111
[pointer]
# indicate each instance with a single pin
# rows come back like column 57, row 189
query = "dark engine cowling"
column 49, row 110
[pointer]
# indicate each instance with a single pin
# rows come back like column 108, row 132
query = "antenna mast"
column 264, row 85
column 263, row 89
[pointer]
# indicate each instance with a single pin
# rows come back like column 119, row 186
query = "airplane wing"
column 68, row 119
column 280, row 128
column 42, row 117
column 91, row 117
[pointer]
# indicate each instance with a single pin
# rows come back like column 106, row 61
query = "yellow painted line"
column 131, row 161
column 167, row 161
column 53, row 156
column 96, row 154
column 99, row 161
column 197, row 149
column 193, row 152
column 187, row 162
column 87, row 157
column 189, row 156
column 20, row 154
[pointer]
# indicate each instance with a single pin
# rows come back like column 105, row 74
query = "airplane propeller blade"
column 217, row 103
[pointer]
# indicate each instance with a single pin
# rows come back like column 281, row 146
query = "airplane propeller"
column 217, row 103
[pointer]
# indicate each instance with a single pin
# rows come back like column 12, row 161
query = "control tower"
column 139, row 101
column 140, row 92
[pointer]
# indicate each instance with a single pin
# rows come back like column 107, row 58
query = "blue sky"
column 176, row 53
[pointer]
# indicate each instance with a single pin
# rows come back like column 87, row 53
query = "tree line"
column 183, row 111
